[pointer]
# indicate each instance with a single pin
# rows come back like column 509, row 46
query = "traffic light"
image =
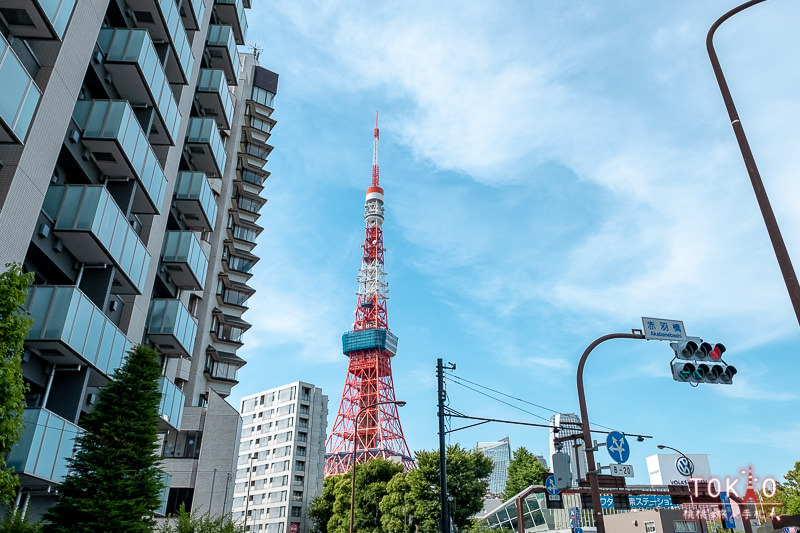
column 700, row 362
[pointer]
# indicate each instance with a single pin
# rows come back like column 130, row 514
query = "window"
column 178, row 496
column 649, row 527
column 296, row 511
column 183, row 444
column 684, row 525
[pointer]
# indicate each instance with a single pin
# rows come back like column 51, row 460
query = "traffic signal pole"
column 587, row 434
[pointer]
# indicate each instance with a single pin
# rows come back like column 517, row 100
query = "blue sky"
column 553, row 172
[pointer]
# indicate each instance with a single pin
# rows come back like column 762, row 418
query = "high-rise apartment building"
column 281, row 458
column 133, row 136
column 570, row 425
column 500, row 454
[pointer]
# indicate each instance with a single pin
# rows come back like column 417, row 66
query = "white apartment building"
column 281, row 457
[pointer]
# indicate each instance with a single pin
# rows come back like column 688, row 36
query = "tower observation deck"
column 369, row 389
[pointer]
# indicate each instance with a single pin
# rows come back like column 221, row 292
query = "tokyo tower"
column 369, row 390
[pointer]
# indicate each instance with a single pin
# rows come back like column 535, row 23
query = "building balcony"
column 42, row 452
column 246, row 201
column 238, row 261
column 228, row 328
column 195, row 201
column 244, row 231
column 33, row 19
column 255, row 152
column 171, row 327
column 222, row 366
column 138, row 76
column 231, row 13
column 214, row 97
column 222, row 52
column 91, row 225
column 121, row 150
column 163, row 20
column 20, row 96
column 69, row 329
column 192, row 12
column 251, row 174
column 163, row 496
column 172, row 399
column 184, row 260
column 204, row 143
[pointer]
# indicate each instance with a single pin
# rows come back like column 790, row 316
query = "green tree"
column 333, row 504
column 15, row 522
column 321, row 509
column 114, row 480
column 789, row 492
column 14, row 327
column 524, row 470
column 186, row 522
column 467, row 475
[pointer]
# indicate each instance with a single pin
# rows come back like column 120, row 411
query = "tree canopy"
column 14, row 327
column 789, row 492
column 390, row 501
column 524, row 470
column 114, row 481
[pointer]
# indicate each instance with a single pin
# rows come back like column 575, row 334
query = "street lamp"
column 355, row 448
column 688, row 478
column 784, row 262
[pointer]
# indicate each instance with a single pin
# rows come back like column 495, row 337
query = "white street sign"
column 662, row 329
column 621, row 470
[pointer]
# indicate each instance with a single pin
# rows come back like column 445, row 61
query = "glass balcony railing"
column 163, row 496
column 91, row 225
column 20, row 96
column 171, row 327
column 37, row 19
column 192, row 13
column 120, row 149
column 139, row 77
column 214, row 96
column 205, row 146
column 221, row 45
column 231, row 13
column 68, row 323
column 171, row 407
column 184, row 259
column 45, row 446
column 195, row 200
column 163, row 20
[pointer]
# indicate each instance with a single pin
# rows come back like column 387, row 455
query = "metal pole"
column 591, row 473
column 688, row 478
column 353, row 470
column 784, row 262
column 445, row 524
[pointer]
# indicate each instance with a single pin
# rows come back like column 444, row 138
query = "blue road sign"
column 578, row 530
column 685, row 466
column 617, row 446
column 572, row 512
column 550, row 485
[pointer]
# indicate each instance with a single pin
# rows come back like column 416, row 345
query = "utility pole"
column 442, row 397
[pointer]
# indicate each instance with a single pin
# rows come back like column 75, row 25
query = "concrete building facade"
column 281, row 458
column 133, row 136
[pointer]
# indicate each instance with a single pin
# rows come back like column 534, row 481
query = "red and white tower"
column 369, row 390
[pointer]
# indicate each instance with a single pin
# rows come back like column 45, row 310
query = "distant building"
column 500, row 454
column 281, row 457
column 575, row 449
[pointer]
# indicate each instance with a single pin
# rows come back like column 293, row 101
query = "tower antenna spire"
column 375, row 173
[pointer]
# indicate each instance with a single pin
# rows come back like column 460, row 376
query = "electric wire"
column 455, row 379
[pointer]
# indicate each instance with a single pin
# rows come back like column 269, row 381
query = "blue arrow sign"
column 550, row 485
column 617, row 446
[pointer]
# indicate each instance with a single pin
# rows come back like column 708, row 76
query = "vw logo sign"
column 685, row 466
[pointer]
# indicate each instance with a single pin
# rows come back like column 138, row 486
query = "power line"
column 455, row 377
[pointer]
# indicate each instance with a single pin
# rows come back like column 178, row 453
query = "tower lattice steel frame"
column 369, row 388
